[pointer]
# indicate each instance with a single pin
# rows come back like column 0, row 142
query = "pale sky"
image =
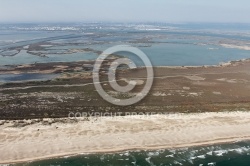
column 226, row 11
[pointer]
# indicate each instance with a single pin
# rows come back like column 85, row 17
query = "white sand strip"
column 39, row 141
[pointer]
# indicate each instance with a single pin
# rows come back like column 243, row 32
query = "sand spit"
column 244, row 47
column 109, row 134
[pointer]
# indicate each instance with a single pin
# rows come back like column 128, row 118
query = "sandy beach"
column 109, row 134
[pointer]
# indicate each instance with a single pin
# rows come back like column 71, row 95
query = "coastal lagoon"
column 165, row 45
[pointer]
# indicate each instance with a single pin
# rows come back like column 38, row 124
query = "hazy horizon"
column 167, row 11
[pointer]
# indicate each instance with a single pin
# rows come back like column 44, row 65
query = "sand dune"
column 106, row 134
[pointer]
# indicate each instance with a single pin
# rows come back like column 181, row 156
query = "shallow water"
column 26, row 77
column 190, row 47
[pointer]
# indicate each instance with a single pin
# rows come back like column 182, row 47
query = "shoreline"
column 75, row 154
column 56, row 70
column 221, row 64
column 158, row 132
